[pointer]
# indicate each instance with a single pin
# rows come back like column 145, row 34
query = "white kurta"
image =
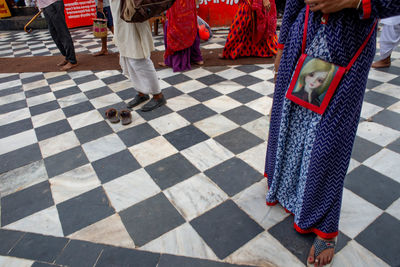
column 390, row 36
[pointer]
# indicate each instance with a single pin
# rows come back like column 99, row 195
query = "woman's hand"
column 331, row 6
column 267, row 5
column 277, row 61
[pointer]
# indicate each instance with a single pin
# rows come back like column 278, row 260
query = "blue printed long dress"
column 308, row 154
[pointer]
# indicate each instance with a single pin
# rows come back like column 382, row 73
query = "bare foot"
column 162, row 64
column 68, row 66
column 101, row 53
column 199, row 63
column 324, row 258
column 62, row 63
column 221, row 56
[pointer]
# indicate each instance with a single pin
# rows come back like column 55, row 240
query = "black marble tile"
column 376, row 188
column 395, row 146
column 173, row 261
column 67, row 92
column 215, row 69
column 85, row 79
column 114, row 79
column 247, row 80
column 52, row 129
column 363, row 149
column 8, row 240
column 245, row 95
column 78, row 109
column 248, row 68
column 175, row 79
column 98, row 92
column 43, row 108
column 65, row 161
column 186, row 137
column 84, row 210
column 123, row 257
column 127, row 94
column 39, row 247
column 156, row 113
column 19, row 157
column 93, row 132
column 242, row 115
column 382, row 237
column 143, row 225
column 171, row 92
column 137, row 134
column 42, row 264
column 298, row 244
column 226, row 228
column 9, row 78
column 342, row 241
column 58, row 79
column 11, row 90
column 170, row 171
column 13, row 106
column 15, row 127
column 79, row 253
column 38, row 91
column 371, row 84
column 211, row 79
column 379, row 99
column 395, row 81
column 230, row 140
column 388, row 118
column 233, row 175
column 115, row 165
column 196, row 113
column 205, row 94
column 33, row 79
column 25, row 202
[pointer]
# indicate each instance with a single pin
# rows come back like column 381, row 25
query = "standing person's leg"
column 110, row 26
column 390, row 38
column 195, row 53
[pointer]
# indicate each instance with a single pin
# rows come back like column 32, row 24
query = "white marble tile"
column 130, row 189
column 377, row 133
column 12, row 98
column 258, row 127
column 252, row 201
column 380, row 76
column 263, row 105
column 72, row 100
column 264, row 74
column 91, row 85
column 109, row 231
column 195, row 195
column 9, row 84
column 226, row 87
column 387, row 89
column 230, row 73
column 6, row 261
column 44, row 222
column 222, row 103
column 40, row 99
column 103, row 147
column 216, row 125
column 14, row 116
column 168, row 123
column 85, row 119
column 196, row 73
column 120, row 86
column 152, row 150
column 49, row 75
column 62, row 85
column 207, row 154
column 17, row 141
column 47, row 118
column 356, row 214
column 165, row 73
column 264, row 251
column 395, row 107
column 353, row 164
column 79, row 74
column 107, row 73
column 73, row 183
column 57, row 144
column 353, row 254
column 163, row 84
column 23, row 177
column 255, row 157
column 212, row 46
column 181, row 102
column 105, row 100
column 368, row 110
column 182, row 241
column 394, row 209
column 385, row 162
column 190, row 86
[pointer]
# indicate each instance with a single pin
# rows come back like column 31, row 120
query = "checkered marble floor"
column 39, row 42
column 182, row 185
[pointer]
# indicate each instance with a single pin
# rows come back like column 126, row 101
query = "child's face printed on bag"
column 315, row 79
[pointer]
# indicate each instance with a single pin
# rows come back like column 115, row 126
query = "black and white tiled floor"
column 180, row 186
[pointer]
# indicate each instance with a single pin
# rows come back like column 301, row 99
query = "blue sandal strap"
column 321, row 245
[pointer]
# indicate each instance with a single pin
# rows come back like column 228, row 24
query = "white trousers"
column 390, row 38
column 142, row 74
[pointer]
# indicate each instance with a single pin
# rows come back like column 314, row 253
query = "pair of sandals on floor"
column 321, row 252
column 114, row 116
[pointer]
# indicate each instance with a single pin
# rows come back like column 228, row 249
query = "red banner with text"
column 218, row 13
column 79, row 12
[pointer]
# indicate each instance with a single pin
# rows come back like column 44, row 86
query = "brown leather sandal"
column 112, row 115
column 126, row 116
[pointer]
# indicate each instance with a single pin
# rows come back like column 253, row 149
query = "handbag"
column 314, row 80
column 142, row 10
column 100, row 26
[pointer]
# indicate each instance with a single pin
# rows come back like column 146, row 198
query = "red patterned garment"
column 253, row 31
column 182, row 26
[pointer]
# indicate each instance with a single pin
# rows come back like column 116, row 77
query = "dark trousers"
column 55, row 18
column 280, row 6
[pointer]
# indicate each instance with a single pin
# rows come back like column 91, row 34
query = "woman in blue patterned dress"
column 308, row 154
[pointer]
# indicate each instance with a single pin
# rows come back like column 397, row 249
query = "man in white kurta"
column 135, row 43
column 390, row 38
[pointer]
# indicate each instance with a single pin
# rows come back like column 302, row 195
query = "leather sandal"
column 112, row 115
column 126, row 116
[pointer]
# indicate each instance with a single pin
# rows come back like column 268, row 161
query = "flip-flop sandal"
column 321, row 245
column 112, row 115
column 126, row 116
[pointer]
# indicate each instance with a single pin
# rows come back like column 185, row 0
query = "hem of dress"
column 300, row 230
